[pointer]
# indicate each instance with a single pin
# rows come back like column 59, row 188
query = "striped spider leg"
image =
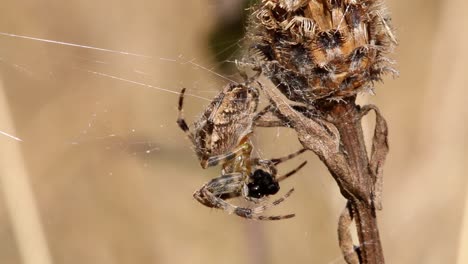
column 262, row 183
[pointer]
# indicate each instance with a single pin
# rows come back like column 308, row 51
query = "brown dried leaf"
column 379, row 152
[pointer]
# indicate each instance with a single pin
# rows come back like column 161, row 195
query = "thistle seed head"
column 291, row 4
column 315, row 49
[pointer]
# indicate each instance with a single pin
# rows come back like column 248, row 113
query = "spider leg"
column 229, row 184
column 271, row 163
column 287, row 175
column 180, row 119
column 269, row 117
column 232, row 183
column 277, row 161
column 242, row 149
column 254, row 213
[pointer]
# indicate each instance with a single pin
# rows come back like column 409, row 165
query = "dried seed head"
column 291, row 4
column 314, row 49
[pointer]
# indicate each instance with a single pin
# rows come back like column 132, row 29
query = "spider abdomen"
column 263, row 184
column 226, row 121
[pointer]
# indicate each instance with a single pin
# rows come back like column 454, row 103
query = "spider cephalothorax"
column 221, row 136
column 314, row 49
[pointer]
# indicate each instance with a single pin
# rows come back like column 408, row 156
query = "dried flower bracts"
column 314, row 49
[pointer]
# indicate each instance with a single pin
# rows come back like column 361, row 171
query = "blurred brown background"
column 112, row 176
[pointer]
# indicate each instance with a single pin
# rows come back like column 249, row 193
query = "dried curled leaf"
column 344, row 236
column 379, row 152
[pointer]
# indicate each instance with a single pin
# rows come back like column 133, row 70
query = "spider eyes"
column 262, row 184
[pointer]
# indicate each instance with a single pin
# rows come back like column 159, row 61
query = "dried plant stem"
column 346, row 118
column 333, row 131
column 370, row 247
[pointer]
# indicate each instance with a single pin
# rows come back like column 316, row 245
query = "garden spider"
column 221, row 136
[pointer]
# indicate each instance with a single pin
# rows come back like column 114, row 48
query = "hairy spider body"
column 221, row 136
column 224, row 125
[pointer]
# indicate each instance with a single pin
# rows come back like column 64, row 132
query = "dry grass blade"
column 22, row 207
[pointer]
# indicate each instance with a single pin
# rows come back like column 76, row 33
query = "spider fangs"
column 222, row 136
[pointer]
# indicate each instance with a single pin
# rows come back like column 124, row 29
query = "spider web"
column 92, row 88
column 78, row 99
